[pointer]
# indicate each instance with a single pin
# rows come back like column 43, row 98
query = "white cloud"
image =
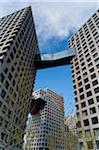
column 54, row 19
column 57, row 19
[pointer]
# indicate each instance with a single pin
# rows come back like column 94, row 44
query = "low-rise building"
column 46, row 130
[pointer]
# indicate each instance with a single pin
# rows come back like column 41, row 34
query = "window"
column 80, row 90
column 77, row 107
column 96, row 90
column 0, row 103
column 95, row 82
column 85, row 74
column 1, row 77
column 87, row 86
column 97, row 98
column 6, row 84
column 86, row 122
column 86, row 80
column 11, row 55
column 84, row 113
column 92, row 110
column 82, row 96
column 83, row 104
column 90, row 64
column 90, row 101
column 9, row 113
column 1, row 120
column 89, row 93
column 14, row 49
column 80, row 83
column 12, row 69
column 94, row 120
column 93, row 76
column 8, row 60
column 96, row 60
column 2, row 136
column 76, row 100
column 78, row 124
column 3, row 93
column 10, row 76
column 79, row 78
column 6, row 70
column 96, row 132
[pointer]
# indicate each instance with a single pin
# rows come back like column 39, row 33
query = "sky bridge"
column 47, row 60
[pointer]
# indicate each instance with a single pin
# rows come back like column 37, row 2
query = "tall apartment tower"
column 85, row 73
column 46, row 130
column 18, row 46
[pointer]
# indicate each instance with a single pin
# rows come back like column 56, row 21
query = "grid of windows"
column 85, row 72
column 18, row 46
column 46, row 128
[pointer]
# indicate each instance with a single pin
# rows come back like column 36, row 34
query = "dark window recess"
column 13, row 83
column 9, row 113
column 89, row 93
column 94, row 120
column 86, row 122
column 77, row 107
column 74, row 86
column 78, row 124
column 95, row 82
column 90, row 64
column 6, row 70
column 97, row 98
column 76, row 100
column 82, row 96
column 92, row 110
column 11, row 55
column 79, row 78
column 16, row 44
column 12, row 69
column 10, row 76
column 8, row 60
column 83, row 64
column 0, row 103
column 1, row 77
column 97, row 66
column 14, row 50
column 75, row 92
column 93, row 76
column 6, row 84
column 91, row 101
column 2, row 136
column 83, row 104
column 85, row 74
column 81, row 90
column 80, row 83
column 3, row 93
column 1, row 120
column 96, row 90
column 86, row 80
column 87, row 86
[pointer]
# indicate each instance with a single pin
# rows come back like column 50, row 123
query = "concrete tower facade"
column 46, row 130
column 85, row 73
column 18, row 46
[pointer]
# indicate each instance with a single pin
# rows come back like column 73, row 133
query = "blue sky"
column 55, row 22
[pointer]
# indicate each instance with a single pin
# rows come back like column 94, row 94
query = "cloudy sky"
column 56, row 21
column 53, row 18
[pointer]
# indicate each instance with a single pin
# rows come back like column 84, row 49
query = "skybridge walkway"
column 47, row 60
